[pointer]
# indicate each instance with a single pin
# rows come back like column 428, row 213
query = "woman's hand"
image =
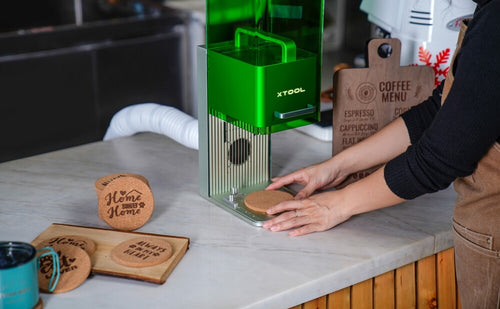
column 377, row 149
column 325, row 210
column 319, row 176
column 317, row 213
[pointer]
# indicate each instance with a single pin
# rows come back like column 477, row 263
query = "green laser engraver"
column 259, row 73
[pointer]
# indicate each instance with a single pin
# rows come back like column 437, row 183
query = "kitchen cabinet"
column 426, row 283
column 61, row 85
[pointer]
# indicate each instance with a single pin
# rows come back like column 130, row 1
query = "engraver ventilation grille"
column 238, row 158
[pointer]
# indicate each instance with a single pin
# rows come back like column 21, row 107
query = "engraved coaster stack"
column 125, row 201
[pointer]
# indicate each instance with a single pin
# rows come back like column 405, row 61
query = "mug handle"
column 56, row 272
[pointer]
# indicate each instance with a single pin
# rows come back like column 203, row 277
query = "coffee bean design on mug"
column 126, row 203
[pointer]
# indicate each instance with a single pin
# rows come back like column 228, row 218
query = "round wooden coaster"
column 83, row 242
column 126, row 203
column 261, row 201
column 142, row 252
column 102, row 182
column 74, row 265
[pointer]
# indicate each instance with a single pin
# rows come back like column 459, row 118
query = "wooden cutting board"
column 106, row 240
column 367, row 99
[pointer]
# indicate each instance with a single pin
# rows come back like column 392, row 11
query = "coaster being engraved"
column 75, row 268
column 142, row 252
column 82, row 242
column 261, row 201
column 126, row 203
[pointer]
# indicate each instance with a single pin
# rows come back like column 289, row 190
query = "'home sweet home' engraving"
column 122, row 203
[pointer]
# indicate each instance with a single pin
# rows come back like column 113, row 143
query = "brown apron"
column 476, row 224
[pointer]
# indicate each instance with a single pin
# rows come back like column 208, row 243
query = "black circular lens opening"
column 239, row 151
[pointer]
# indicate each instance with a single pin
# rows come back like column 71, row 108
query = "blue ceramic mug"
column 19, row 274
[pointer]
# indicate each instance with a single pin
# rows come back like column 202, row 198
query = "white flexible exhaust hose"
column 152, row 117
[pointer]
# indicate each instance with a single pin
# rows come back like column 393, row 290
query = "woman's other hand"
column 317, row 213
column 325, row 210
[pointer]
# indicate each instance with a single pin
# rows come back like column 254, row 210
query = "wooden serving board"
column 367, row 99
column 106, row 240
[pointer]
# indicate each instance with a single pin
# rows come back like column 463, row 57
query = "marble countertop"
column 230, row 263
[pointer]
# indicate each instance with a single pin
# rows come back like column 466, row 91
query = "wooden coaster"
column 142, row 252
column 261, row 201
column 126, row 203
column 74, row 264
column 102, row 182
column 83, row 242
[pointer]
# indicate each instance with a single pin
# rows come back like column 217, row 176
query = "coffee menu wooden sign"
column 367, row 99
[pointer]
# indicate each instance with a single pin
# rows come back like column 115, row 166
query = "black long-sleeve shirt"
column 447, row 141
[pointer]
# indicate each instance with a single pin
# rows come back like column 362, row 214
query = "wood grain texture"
column 383, row 291
column 405, row 286
column 426, row 283
column 106, row 240
column 446, row 287
column 340, row 299
column 318, row 303
column 414, row 285
column 362, row 295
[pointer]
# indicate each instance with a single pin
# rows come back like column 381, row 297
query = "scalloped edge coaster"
column 142, row 252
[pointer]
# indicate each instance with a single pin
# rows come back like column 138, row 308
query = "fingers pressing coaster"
column 261, row 201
